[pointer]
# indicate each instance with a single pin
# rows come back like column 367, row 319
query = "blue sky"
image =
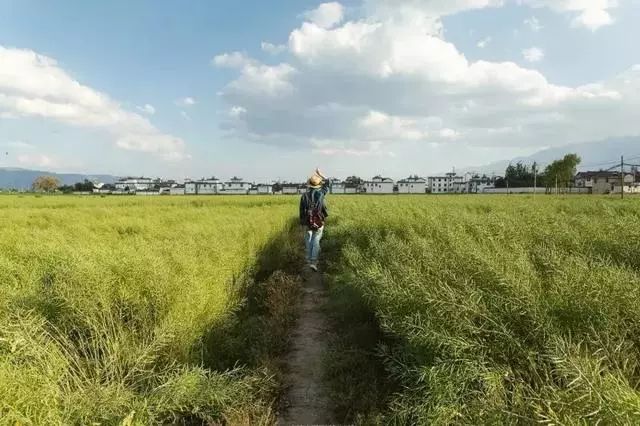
column 365, row 87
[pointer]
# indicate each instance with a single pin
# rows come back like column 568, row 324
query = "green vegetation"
column 492, row 310
column 130, row 310
column 467, row 309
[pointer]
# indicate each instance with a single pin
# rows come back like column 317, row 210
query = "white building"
column 133, row 184
column 237, row 186
column 209, row 186
column 379, row 185
column 337, row 186
column 290, row 188
column 253, row 190
column 294, row 188
column 446, row 184
column 265, row 188
column 412, row 185
column 480, row 185
column 177, row 190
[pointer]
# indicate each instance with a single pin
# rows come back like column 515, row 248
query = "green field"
column 492, row 310
column 106, row 305
column 452, row 309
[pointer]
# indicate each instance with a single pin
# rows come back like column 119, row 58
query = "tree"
column 354, row 180
column 45, row 183
column 562, row 171
column 66, row 189
column 518, row 176
column 86, row 186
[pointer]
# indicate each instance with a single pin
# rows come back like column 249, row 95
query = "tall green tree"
column 562, row 171
column 517, row 176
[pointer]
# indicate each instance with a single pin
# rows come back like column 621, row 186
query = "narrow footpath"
column 305, row 401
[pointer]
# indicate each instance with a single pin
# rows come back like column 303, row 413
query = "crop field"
column 452, row 309
column 493, row 310
column 106, row 305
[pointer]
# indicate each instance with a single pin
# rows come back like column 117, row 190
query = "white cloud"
column 273, row 48
column 592, row 19
column 391, row 79
column 484, row 42
column 147, row 109
column 33, row 85
column 426, row 8
column 590, row 14
column 186, row 102
column 237, row 111
column 37, row 160
column 533, row 23
column 327, row 15
column 449, row 134
column 264, row 80
column 533, row 54
column 231, row 60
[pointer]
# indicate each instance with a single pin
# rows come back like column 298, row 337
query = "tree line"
column 560, row 172
column 52, row 184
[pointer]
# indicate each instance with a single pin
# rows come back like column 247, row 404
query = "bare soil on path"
column 306, row 401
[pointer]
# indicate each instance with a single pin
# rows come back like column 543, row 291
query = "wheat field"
column 487, row 309
column 497, row 309
column 105, row 304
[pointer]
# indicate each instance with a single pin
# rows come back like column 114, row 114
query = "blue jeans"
column 312, row 244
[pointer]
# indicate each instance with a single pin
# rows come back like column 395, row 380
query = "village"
column 588, row 182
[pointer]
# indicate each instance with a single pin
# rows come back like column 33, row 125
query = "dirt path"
column 305, row 399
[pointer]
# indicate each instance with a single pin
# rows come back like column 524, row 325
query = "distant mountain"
column 595, row 155
column 14, row 178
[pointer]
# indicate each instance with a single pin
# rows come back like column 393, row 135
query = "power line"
column 600, row 164
column 612, row 162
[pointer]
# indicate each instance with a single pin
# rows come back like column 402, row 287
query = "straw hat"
column 314, row 181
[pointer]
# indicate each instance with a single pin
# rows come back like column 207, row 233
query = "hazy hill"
column 595, row 155
column 15, row 178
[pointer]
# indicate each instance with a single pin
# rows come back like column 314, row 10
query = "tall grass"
column 498, row 309
column 107, row 305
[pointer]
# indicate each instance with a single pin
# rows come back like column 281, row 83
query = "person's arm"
column 325, row 182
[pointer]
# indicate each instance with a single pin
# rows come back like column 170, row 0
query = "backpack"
column 315, row 218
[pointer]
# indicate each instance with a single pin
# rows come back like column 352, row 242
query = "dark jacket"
column 315, row 195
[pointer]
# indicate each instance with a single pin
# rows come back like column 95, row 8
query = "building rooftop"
column 381, row 179
column 413, row 179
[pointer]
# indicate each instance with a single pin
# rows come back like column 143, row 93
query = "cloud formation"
column 484, row 42
column 533, row 54
column 327, row 15
column 33, row 85
column 590, row 14
column 533, row 23
column 147, row 109
column 186, row 102
column 272, row 48
column 364, row 86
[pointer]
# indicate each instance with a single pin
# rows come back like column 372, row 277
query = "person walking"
column 313, row 213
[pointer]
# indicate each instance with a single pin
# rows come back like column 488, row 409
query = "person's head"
column 314, row 181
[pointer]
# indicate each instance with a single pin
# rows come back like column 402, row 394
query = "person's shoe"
column 313, row 267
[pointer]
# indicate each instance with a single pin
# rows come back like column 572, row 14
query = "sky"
column 271, row 90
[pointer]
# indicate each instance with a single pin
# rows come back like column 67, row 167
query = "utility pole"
column 535, row 179
column 622, row 177
column 556, row 183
